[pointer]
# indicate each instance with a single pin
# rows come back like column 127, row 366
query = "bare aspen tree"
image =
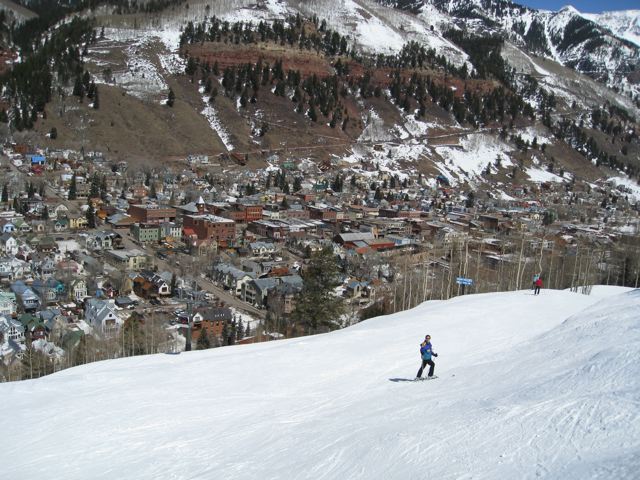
column 520, row 268
column 575, row 264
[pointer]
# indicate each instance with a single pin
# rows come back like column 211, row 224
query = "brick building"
column 152, row 214
column 211, row 227
column 242, row 213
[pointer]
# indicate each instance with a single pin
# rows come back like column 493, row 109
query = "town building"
column 152, row 214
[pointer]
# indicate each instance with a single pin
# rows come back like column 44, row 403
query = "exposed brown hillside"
column 127, row 128
column 307, row 62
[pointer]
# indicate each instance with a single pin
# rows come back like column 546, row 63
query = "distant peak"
column 569, row 9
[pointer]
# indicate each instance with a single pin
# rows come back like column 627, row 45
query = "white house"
column 261, row 249
column 13, row 268
column 101, row 315
column 8, row 227
column 100, row 241
column 78, row 290
column 8, row 304
column 29, row 300
column 11, row 329
column 8, row 244
column 59, row 211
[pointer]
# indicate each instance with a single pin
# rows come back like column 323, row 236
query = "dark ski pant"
column 424, row 364
column 537, row 290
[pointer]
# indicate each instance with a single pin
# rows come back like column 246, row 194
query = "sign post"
column 464, row 282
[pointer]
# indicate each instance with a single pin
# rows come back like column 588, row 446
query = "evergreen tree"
column 243, row 98
column 317, row 308
column 312, row 114
column 548, row 218
column 96, row 99
column 5, row 194
column 103, row 187
column 191, row 67
column 336, row 185
column 231, row 340
column 91, row 216
column 171, row 97
column 225, row 334
column 240, row 331
column 94, row 189
column 78, row 89
column 73, row 189
column 174, row 283
column 203, row 342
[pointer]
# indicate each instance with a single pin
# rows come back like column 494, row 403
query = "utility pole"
column 196, row 298
column 187, row 347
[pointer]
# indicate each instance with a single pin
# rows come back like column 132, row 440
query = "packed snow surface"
column 529, row 386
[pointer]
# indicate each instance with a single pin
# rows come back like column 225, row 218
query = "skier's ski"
column 426, row 378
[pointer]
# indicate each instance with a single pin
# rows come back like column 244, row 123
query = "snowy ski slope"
column 530, row 386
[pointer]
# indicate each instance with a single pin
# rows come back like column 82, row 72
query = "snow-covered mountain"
column 384, row 26
column 528, row 387
column 625, row 23
column 588, row 44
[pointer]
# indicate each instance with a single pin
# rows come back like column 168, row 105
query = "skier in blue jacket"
column 426, row 352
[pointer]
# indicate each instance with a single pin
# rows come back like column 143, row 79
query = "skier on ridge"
column 426, row 352
column 538, row 286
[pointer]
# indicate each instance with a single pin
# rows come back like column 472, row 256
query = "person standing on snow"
column 538, row 286
column 535, row 279
column 426, row 352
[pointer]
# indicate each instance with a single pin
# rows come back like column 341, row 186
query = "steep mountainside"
column 354, row 84
column 579, row 41
column 624, row 24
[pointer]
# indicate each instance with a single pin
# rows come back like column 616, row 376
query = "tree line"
column 55, row 60
column 307, row 34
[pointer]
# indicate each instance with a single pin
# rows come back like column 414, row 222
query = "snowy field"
column 529, row 386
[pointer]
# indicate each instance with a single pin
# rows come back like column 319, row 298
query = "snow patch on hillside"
column 211, row 115
column 539, row 175
column 471, row 156
column 149, row 55
column 628, row 186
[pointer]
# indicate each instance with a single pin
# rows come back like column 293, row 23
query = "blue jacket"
column 425, row 351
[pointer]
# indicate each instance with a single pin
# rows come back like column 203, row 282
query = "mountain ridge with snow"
column 529, row 386
column 579, row 41
column 623, row 23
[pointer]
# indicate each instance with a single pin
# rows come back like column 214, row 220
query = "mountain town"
column 145, row 262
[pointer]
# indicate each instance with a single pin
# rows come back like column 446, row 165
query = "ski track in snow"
column 528, row 386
